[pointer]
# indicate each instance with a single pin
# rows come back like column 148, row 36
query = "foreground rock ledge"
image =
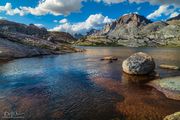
column 169, row 86
column 139, row 64
column 172, row 67
column 175, row 116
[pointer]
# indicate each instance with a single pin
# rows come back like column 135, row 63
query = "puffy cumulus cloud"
column 39, row 25
column 130, row 13
column 3, row 17
column 166, row 8
column 157, row 13
column 110, row 1
column 162, row 10
column 65, row 7
column 55, row 7
column 63, row 21
column 158, row 2
column 55, row 21
column 10, row 11
column 95, row 21
column 174, row 14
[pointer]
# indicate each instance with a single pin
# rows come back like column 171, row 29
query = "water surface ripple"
column 79, row 86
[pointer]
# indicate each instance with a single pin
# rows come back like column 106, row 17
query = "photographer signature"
column 15, row 115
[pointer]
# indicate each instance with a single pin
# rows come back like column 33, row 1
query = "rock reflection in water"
column 140, row 101
column 66, row 95
column 138, row 79
column 81, row 87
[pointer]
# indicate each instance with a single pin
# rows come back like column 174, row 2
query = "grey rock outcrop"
column 34, row 31
column 20, row 40
column 59, row 37
column 125, row 26
column 153, row 27
column 14, row 27
column 10, row 50
column 134, row 30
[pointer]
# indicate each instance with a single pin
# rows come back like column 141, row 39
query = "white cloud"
column 10, row 11
column 63, row 21
column 130, row 13
column 55, row 21
column 162, row 10
column 158, row 2
column 3, row 17
column 110, row 1
column 95, row 21
column 54, row 7
column 39, row 25
column 139, row 8
column 65, row 7
column 174, row 14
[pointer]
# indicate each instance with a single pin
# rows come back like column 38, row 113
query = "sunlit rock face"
column 19, row 40
column 134, row 30
column 175, row 116
column 10, row 50
column 125, row 26
column 138, row 64
column 153, row 27
column 9, row 26
column 169, row 86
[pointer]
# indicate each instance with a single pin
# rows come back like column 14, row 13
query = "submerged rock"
column 111, row 58
column 139, row 64
column 175, row 116
column 169, row 67
column 169, row 86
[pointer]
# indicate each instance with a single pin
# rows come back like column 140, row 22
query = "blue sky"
column 79, row 16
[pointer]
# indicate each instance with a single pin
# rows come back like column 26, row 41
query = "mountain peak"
column 133, row 18
column 126, row 24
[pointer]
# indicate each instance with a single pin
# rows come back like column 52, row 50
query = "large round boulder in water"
column 139, row 64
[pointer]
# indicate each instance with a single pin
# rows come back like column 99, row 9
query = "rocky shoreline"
column 19, row 41
column 10, row 49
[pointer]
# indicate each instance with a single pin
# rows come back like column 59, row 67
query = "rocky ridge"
column 134, row 30
column 20, row 40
